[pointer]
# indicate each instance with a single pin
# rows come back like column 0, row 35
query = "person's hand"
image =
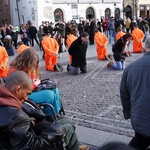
column 54, row 54
column 1, row 67
column 139, row 41
column 36, row 82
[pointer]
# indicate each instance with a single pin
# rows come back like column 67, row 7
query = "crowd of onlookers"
column 29, row 33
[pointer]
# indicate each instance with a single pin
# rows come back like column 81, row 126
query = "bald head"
column 19, row 84
column 147, row 43
column 18, row 78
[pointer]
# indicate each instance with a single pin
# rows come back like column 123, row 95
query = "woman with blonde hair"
column 28, row 61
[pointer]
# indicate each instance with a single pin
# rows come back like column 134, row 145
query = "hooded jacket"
column 16, row 129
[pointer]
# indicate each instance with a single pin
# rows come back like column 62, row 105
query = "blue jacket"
column 135, row 94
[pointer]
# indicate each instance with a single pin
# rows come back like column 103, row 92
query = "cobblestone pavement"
column 92, row 99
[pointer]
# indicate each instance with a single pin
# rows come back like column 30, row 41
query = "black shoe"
column 56, row 68
column 60, row 66
column 68, row 67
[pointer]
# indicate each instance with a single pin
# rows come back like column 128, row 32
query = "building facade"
column 136, row 8
column 37, row 11
column 5, row 17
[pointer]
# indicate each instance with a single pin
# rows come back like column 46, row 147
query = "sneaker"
column 56, row 68
column 83, row 147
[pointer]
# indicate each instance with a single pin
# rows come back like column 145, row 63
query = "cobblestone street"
column 92, row 99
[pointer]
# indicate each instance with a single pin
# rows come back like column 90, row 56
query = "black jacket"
column 117, row 49
column 16, row 130
column 78, row 52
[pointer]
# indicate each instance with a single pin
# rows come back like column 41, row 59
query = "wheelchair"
column 37, row 115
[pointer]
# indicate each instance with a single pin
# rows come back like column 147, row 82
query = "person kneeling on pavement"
column 78, row 51
column 17, row 130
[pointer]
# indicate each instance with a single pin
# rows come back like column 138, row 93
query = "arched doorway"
column 107, row 13
column 128, row 11
column 90, row 13
column 58, row 15
column 117, row 13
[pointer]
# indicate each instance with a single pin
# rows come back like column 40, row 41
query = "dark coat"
column 32, row 31
column 117, row 49
column 16, row 129
column 135, row 94
column 78, row 52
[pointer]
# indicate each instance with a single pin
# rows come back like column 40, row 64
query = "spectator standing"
column 24, row 34
column 105, row 27
column 33, row 34
column 40, row 33
column 14, row 35
column 60, row 43
column 111, row 27
column 91, row 31
column 135, row 98
column 127, row 23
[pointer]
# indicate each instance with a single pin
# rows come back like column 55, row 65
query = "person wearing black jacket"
column 32, row 33
column 119, row 52
column 78, row 51
column 22, row 128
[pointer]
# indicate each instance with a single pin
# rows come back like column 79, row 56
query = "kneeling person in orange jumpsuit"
column 70, row 39
column 3, row 62
column 21, row 47
column 138, row 37
column 51, row 47
column 101, row 42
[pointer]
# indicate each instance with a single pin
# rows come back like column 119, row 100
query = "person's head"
column 119, row 29
column 19, row 84
column 58, row 36
column 27, row 61
column 135, row 25
column 20, row 43
column 147, row 43
column 84, row 37
column 116, row 146
column 96, row 30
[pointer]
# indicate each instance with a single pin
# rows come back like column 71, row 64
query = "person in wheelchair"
column 28, row 61
column 19, row 131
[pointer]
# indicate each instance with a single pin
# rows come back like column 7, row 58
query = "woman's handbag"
column 46, row 84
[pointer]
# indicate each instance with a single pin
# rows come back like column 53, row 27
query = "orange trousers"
column 50, row 62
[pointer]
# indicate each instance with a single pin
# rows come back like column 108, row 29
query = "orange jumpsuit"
column 3, row 62
column 138, row 37
column 101, row 42
column 51, row 48
column 69, row 41
column 21, row 48
column 119, row 35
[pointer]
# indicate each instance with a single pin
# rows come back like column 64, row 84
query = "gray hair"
column 147, row 43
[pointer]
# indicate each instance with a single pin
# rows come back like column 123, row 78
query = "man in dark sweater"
column 78, row 52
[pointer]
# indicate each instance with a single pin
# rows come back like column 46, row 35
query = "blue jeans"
column 120, row 65
column 51, row 96
column 112, row 34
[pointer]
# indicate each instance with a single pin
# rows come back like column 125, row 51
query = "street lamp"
column 18, row 11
